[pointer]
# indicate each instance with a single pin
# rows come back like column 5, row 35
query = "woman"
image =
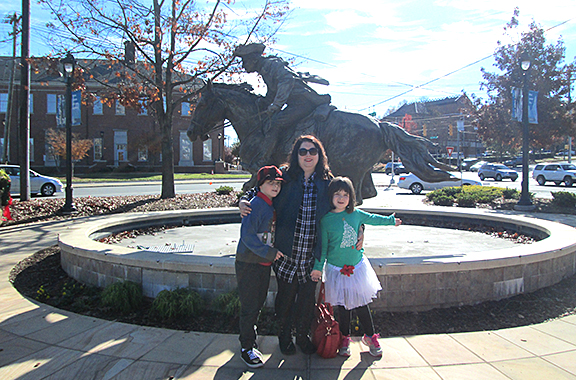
column 299, row 207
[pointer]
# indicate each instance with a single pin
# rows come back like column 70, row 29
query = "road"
column 202, row 186
column 148, row 188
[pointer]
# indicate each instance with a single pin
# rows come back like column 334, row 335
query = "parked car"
column 398, row 168
column 416, row 185
column 557, row 173
column 496, row 171
column 39, row 184
column 478, row 165
column 516, row 161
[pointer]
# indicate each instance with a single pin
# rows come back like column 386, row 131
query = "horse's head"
column 209, row 111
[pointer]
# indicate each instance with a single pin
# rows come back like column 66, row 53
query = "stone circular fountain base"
column 408, row 283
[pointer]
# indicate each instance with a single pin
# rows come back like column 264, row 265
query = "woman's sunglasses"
column 302, row 152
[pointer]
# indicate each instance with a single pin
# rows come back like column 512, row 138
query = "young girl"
column 350, row 281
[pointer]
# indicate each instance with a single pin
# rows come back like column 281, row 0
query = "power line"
column 450, row 73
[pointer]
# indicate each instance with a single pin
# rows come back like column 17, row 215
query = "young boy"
column 254, row 257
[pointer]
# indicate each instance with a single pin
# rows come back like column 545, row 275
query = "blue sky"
column 374, row 51
column 377, row 53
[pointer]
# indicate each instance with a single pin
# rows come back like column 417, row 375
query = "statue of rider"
column 288, row 98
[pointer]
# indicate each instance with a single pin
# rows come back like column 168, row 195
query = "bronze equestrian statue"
column 353, row 142
column 288, row 98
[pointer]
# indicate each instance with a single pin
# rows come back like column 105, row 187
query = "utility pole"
column 24, row 151
column 14, row 20
column 570, row 111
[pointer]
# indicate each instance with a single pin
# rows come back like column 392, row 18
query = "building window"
column 207, row 150
column 143, row 154
column 120, row 109
column 3, row 102
column 50, row 159
column 186, row 157
column 31, row 104
column 120, row 146
column 51, row 104
column 97, row 108
column 185, row 109
column 2, row 147
column 98, row 145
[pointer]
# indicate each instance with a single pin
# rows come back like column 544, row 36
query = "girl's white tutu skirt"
column 351, row 292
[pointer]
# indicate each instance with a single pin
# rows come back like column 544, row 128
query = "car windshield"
column 568, row 167
column 501, row 167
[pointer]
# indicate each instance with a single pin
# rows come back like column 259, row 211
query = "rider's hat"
column 254, row 48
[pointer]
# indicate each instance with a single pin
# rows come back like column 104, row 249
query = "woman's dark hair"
column 322, row 169
column 342, row 183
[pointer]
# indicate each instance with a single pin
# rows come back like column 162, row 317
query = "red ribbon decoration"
column 347, row 270
column 6, row 212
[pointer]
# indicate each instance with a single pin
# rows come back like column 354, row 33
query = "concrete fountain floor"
column 380, row 241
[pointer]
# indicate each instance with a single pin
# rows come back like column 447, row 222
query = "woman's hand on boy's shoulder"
column 244, row 207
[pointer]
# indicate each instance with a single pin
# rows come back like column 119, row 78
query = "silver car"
column 416, row 185
column 497, row 171
column 39, row 184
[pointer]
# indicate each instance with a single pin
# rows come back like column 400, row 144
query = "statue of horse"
column 354, row 143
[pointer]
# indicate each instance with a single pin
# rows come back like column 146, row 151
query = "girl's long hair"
column 322, row 169
column 342, row 183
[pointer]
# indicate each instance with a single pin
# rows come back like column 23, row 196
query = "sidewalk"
column 41, row 342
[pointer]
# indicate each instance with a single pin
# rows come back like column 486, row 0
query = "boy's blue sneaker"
column 252, row 358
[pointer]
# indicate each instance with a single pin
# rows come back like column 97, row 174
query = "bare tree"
column 159, row 54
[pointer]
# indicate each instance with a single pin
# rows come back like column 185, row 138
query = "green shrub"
column 511, row 194
column 224, row 190
column 442, row 200
column 468, row 196
column 227, row 303
column 466, row 200
column 123, row 297
column 182, row 302
column 564, row 199
column 451, row 191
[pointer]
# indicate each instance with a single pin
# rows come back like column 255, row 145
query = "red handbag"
column 326, row 335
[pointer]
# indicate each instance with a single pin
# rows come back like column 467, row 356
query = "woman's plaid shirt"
column 300, row 264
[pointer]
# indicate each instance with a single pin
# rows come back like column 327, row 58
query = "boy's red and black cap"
column 269, row 173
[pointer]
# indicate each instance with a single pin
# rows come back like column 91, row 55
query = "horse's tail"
column 413, row 150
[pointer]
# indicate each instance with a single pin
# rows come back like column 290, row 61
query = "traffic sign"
column 450, row 149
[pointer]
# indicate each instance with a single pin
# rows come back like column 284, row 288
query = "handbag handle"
column 321, row 294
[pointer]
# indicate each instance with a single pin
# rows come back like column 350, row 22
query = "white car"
column 39, row 184
column 416, row 185
column 557, row 173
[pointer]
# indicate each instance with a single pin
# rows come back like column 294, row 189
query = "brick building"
column 122, row 138
column 437, row 121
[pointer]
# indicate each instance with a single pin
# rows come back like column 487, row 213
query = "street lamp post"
column 68, row 64
column 525, row 203
column 220, row 136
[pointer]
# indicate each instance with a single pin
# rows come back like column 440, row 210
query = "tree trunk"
column 167, row 161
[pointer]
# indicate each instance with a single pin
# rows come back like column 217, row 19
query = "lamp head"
column 68, row 64
column 525, row 61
